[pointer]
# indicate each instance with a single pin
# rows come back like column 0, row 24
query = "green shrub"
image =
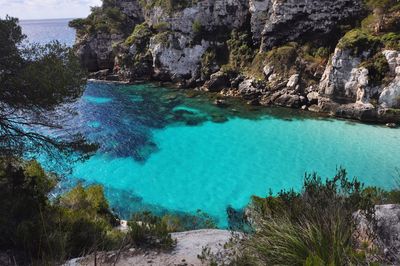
column 378, row 68
column 360, row 41
column 384, row 4
column 283, row 57
column 313, row 226
column 208, row 61
column 140, row 37
column 168, row 5
column 197, row 27
column 161, row 26
column 108, row 19
column 147, row 230
column 391, row 40
column 241, row 52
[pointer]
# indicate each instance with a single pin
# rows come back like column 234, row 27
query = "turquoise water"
column 168, row 150
column 172, row 151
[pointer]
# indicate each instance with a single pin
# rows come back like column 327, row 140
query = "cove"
column 170, row 150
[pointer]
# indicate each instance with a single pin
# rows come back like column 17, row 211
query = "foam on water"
column 152, row 158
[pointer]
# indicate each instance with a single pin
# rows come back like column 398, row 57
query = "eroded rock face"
column 191, row 30
column 174, row 58
column 290, row 19
column 383, row 233
column 259, row 16
column 209, row 14
column 96, row 52
column 341, row 77
column 132, row 9
column 390, row 96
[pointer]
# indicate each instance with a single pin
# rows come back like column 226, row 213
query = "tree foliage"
column 35, row 82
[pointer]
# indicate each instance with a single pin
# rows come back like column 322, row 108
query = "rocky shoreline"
column 339, row 58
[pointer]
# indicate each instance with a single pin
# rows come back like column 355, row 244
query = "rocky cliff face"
column 340, row 57
column 292, row 19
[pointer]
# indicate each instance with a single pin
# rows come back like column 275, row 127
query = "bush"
column 168, row 5
column 313, row 227
column 197, row 27
column 108, row 19
column 360, row 41
column 140, row 37
column 241, row 52
column 38, row 231
column 378, row 68
column 147, row 230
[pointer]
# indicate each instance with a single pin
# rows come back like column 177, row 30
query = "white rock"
column 393, row 59
column 312, row 96
column 341, row 70
column 390, row 96
column 293, row 81
column 268, row 70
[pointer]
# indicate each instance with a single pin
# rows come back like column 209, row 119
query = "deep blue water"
column 45, row 31
column 168, row 150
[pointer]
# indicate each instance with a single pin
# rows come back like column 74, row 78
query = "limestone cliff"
column 340, row 57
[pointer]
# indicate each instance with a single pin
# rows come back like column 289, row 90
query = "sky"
column 45, row 9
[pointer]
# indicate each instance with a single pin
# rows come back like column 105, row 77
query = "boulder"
column 390, row 96
column 359, row 111
column 289, row 100
column 312, row 97
column 220, row 103
column 293, row 81
column 268, row 70
column 248, row 89
column 393, row 59
column 217, row 82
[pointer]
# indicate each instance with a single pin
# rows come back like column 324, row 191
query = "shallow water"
column 167, row 150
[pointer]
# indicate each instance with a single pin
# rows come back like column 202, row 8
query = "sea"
column 167, row 150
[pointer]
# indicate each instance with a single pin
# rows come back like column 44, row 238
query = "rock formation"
column 294, row 53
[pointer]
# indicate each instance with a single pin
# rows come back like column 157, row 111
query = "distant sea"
column 46, row 30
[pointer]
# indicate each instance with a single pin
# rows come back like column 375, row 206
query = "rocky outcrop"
column 174, row 58
column 209, row 15
column 96, row 52
column 212, row 45
column 382, row 233
column 290, row 20
column 346, row 91
column 390, row 96
column 259, row 16
column 341, row 78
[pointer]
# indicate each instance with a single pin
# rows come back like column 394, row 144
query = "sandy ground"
column 189, row 245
